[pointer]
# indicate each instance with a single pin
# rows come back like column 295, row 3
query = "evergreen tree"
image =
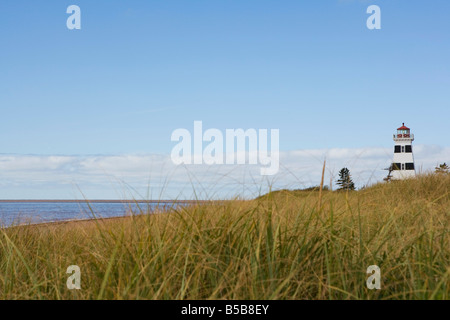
column 345, row 180
column 443, row 168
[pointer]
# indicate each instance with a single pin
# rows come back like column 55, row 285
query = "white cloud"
column 155, row 177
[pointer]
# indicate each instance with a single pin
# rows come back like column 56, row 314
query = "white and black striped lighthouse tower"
column 403, row 165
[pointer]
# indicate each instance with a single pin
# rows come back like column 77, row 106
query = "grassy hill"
column 283, row 245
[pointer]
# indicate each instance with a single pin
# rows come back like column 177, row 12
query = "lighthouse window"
column 397, row 149
column 410, row 166
column 396, row 166
column 403, row 149
column 408, row 149
column 403, row 166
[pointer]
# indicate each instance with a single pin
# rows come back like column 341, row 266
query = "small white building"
column 403, row 164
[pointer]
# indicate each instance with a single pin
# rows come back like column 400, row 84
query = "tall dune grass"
column 279, row 246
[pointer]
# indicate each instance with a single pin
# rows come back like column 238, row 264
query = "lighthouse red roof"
column 403, row 127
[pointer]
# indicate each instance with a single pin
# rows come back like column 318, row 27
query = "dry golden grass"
column 280, row 246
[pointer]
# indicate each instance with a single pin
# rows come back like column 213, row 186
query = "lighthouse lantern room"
column 403, row 165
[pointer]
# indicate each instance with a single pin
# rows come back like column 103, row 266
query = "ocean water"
column 14, row 213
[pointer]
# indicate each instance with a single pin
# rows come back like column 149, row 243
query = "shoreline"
column 166, row 206
column 80, row 220
column 60, row 222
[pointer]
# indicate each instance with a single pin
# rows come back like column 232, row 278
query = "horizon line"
column 102, row 200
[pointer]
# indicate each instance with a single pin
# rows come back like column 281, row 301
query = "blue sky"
column 137, row 70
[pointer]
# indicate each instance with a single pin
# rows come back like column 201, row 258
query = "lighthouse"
column 403, row 165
